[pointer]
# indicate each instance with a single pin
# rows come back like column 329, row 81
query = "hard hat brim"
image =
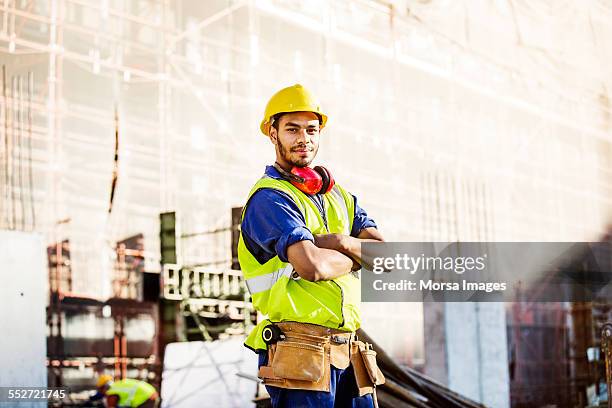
column 265, row 124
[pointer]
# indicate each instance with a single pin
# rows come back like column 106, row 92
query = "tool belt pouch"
column 297, row 363
column 367, row 373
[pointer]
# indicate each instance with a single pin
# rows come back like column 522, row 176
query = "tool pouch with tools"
column 302, row 359
column 367, row 373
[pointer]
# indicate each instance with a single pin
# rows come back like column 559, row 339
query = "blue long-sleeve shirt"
column 272, row 222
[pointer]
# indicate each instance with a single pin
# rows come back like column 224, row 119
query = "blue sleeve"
column 97, row 396
column 361, row 220
column 272, row 222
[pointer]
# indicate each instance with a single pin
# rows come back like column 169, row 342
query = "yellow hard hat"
column 103, row 380
column 294, row 98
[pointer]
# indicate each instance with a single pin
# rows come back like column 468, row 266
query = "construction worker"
column 300, row 250
column 126, row 393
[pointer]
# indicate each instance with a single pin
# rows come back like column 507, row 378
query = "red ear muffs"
column 308, row 180
column 327, row 178
column 312, row 180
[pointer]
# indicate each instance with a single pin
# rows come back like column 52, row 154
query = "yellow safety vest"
column 279, row 293
column 132, row 393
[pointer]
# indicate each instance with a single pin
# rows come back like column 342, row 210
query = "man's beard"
column 286, row 155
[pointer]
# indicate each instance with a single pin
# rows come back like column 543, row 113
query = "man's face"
column 297, row 139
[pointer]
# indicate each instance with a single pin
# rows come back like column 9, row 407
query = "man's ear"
column 273, row 134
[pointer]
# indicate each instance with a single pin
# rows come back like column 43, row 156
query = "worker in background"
column 300, row 252
column 126, row 393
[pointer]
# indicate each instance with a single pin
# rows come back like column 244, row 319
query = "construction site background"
column 450, row 120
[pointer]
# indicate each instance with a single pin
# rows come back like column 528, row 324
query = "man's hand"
column 350, row 246
column 317, row 264
column 331, row 255
column 112, row 401
column 330, row 241
column 336, row 242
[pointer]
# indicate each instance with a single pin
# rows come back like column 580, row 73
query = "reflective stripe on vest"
column 265, row 282
column 336, row 192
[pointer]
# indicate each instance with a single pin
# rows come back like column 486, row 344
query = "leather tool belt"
column 303, row 359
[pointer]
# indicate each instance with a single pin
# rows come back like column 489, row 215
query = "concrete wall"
column 466, row 349
column 22, row 313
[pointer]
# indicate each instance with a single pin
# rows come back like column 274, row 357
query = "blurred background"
column 129, row 142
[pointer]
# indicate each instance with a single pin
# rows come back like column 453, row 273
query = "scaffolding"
column 189, row 83
column 451, row 120
column 90, row 337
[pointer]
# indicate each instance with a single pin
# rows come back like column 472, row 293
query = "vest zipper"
column 321, row 210
column 341, row 302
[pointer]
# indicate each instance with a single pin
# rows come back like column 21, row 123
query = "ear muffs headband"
column 327, row 178
column 308, row 180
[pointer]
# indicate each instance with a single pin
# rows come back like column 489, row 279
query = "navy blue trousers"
column 343, row 392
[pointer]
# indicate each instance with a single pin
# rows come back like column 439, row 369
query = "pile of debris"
column 409, row 388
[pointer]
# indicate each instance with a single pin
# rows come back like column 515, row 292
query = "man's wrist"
column 346, row 244
column 340, row 243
